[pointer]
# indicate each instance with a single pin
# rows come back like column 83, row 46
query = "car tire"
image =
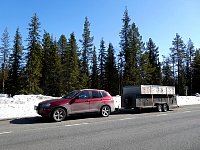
column 105, row 111
column 165, row 108
column 59, row 114
column 159, row 108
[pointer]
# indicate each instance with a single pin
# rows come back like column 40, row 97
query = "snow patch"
column 20, row 106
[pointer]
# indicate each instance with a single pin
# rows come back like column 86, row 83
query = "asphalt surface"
column 173, row 130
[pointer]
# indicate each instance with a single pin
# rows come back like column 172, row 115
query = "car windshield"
column 70, row 95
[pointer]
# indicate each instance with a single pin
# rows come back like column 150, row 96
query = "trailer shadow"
column 138, row 111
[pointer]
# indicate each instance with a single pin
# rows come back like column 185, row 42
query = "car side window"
column 96, row 94
column 84, row 95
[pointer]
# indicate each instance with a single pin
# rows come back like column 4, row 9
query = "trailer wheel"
column 165, row 108
column 159, row 108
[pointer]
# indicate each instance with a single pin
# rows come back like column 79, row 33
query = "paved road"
column 173, row 130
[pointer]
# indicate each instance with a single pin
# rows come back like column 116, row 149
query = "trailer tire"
column 165, row 108
column 159, row 108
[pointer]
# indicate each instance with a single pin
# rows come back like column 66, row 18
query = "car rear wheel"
column 105, row 111
column 59, row 114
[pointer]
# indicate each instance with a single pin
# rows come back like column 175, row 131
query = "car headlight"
column 45, row 105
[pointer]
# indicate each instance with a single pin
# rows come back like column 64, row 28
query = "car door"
column 81, row 103
column 95, row 101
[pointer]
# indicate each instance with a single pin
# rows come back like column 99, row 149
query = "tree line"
column 55, row 67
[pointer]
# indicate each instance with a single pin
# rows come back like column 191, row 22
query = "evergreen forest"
column 56, row 67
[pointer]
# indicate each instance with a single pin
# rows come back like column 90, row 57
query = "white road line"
column 70, row 125
column 5, row 133
column 187, row 111
column 181, row 112
column 162, row 115
column 125, row 119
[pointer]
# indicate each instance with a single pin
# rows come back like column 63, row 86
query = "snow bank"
column 187, row 100
column 181, row 100
column 20, row 106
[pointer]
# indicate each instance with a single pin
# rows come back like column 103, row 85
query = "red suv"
column 79, row 101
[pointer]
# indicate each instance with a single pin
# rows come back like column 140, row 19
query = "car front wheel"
column 59, row 114
column 105, row 111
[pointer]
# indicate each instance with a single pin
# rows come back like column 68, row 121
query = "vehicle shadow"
column 39, row 120
column 30, row 120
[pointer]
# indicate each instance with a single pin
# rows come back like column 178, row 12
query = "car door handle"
column 87, row 101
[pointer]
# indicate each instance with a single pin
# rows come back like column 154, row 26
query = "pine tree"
column 62, row 48
column 94, row 74
column 167, row 73
column 46, row 65
column 178, row 55
column 55, row 88
column 34, row 58
column 51, row 70
column 189, row 57
column 5, row 51
column 130, row 59
column 72, row 66
column 131, row 54
column 196, row 72
column 146, row 70
column 111, row 72
column 13, row 85
column 133, row 73
column 153, row 57
column 102, row 59
column 124, row 45
column 86, row 54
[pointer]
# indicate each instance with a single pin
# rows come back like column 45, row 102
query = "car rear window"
column 104, row 94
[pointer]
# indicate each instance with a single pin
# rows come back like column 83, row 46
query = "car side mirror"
column 72, row 101
column 77, row 97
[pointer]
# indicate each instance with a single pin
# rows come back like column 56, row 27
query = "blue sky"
column 156, row 19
